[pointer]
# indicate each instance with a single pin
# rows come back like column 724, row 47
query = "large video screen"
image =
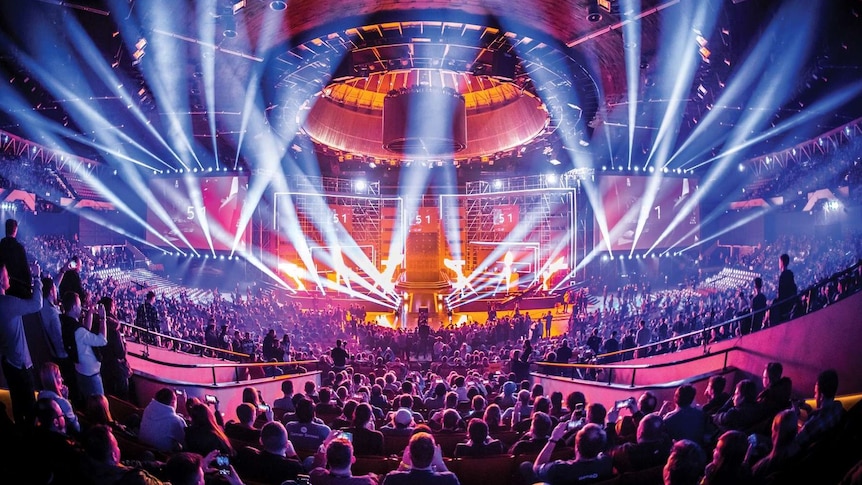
column 198, row 206
column 622, row 199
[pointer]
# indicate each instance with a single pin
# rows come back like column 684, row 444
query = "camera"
column 223, row 464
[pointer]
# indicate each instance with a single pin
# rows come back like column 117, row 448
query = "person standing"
column 758, row 305
column 549, row 318
column 70, row 280
column 80, row 341
column 339, row 356
column 783, row 305
column 14, row 257
column 16, row 361
column 115, row 366
column 147, row 317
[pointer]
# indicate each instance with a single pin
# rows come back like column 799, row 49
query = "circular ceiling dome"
column 497, row 115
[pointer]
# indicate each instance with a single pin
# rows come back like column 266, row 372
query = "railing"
column 148, row 334
column 800, row 304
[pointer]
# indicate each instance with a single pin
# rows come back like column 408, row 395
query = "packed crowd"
column 373, row 382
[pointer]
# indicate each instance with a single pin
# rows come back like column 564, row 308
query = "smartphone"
column 621, row 404
column 210, row 399
column 347, row 435
column 223, row 464
column 263, row 407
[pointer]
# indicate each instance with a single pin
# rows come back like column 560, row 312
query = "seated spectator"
column 493, row 417
column 63, row 455
column 685, row 464
column 104, row 465
column 627, row 425
column 589, row 465
column 304, row 433
column 346, row 418
column 777, row 389
column 402, row 424
column 652, row 447
column 326, row 406
column 284, row 404
column 243, row 428
column 824, row 418
column 540, row 403
column 252, row 396
column 377, row 398
column 275, row 462
column 523, row 407
column 203, row 434
column 424, row 461
column 535, row 438
column 744, row 413
column 438, row 398
column 728, row 465
column 452, row 423
column 557, row 409
column 161, row 426
column 366, row 440
column 717, row 397
column 783, row 432
column 333, row 467
column 189, row 468
column 686, row 421
column 477, row 408
column 53, row 387
column 575, row 404
column 479, row 442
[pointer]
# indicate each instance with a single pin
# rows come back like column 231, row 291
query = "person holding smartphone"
column 333, row 460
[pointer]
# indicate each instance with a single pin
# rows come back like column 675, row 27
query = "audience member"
column 479, row 442
column 304, row 433
column 104, row 465
column 685, row 464
column 822, row 419
column 652, row 447
column 783, row 432
column 161, row 426
column 275, row 462
column 424, row 460
column 52, row 387
column 203, row 434
column 745, row 411
column 334, row 467
column 589, row 464
column 16, row 363
column 716, row 397
column 728, row 465
column 687, row 421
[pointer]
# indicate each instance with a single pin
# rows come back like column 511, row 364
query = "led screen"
column 197, row 207
column 622, row 201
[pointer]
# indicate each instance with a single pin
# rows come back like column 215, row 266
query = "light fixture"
column 593, row 12
column 229, row 26
column 277, row 5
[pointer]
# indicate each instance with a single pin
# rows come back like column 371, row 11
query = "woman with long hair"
column 203, row 433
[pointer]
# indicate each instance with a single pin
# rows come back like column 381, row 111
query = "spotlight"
column 741, row 167
column 551, row 178
column 554, row 161
column 593, row 12
column 498, row 184
column 278, row 5
column 229, row 26
column 359, row 186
